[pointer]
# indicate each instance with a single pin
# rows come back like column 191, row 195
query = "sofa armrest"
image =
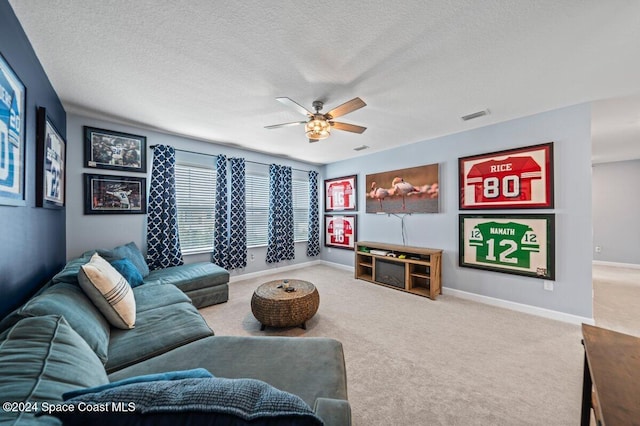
column 334, row 412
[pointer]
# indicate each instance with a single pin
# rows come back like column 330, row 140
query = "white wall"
column 87, row 232
column 569, row 128
column 616, row 208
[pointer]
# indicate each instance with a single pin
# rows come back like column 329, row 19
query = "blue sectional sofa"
column 59, row 343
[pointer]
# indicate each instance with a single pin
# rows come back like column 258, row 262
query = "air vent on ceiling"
column 475, row 115
column 360, row 148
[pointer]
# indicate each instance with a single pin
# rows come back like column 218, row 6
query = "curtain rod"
column 216, row 155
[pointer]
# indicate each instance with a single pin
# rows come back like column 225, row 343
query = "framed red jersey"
column 340, row 193
column 340, row 231
column 520, row 178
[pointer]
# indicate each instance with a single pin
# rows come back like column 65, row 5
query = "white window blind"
column 300, row 189
column 195, row 198
column 257, row 199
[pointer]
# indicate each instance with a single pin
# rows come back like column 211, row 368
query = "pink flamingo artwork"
column 400, row 187
column 378, row 193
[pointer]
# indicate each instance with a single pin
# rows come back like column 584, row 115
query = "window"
column 257, row 199
column 195, row 197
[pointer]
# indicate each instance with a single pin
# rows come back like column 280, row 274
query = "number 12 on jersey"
column 519, row 244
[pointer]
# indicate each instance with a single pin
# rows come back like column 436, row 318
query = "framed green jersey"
column 520, row 244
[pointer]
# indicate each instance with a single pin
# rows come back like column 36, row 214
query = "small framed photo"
column 515, row 244
column 340, row 231
column 106, row 149
column 12, row 137
column 520, row 178
column 340, row 193
column 50, row 163
column 105, row 194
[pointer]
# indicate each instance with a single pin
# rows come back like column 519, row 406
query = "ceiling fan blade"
column 347, row 127
column 345, row 108
column 277, row 126
column 313, row 140
column 293, row 104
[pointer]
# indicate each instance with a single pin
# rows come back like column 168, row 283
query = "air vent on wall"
column 474, row 115
column 360, row 148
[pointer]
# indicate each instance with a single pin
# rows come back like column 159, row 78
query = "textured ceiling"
column 211, row 70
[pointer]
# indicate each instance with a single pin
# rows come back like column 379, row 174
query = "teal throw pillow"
column 129, row 271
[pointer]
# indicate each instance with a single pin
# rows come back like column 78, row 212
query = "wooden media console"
column 415, row 270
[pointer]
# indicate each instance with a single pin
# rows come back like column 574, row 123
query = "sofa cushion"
column 109, row 291
column 310, row 367
column 201, row 401
column 157, row 331
column 69, row 301
column 128, row 251
column 69, row 273
column 42, row 358
column 192, row 276
column 128, row 271
column 153, row 295
column 195, row 373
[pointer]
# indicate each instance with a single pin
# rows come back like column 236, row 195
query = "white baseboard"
column 250, row 275
column 519, row 307
column 616, row 264
column 338, row 266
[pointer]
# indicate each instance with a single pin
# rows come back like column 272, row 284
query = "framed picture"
column 106, row 149
column 409, row 190
column 515, row 244
column 12, row 137
column 50, row 163
column 104, row 194
column 340, row 193
column 519, row 178
column 340, row 231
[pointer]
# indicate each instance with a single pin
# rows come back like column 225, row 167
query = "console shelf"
column 416, row 270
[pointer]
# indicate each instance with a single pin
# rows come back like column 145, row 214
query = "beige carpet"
column 616, row 298
column 414, row 361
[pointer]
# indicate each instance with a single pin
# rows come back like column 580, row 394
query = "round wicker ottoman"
column 274, row 306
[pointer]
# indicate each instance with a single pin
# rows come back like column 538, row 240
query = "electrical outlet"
column 329, row 250
column 253, row 257
column 598, row 249
column 548, row 285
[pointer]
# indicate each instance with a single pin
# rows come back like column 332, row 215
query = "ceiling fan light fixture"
column 317, row 128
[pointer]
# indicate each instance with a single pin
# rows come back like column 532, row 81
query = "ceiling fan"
column 318, row 126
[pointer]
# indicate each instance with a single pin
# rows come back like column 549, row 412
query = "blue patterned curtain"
column 237, row 216
column 220, row 254
column 163, row 244
column 313, row 240
column 280, row 245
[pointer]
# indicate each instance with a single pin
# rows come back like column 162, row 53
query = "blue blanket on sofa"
column 195, row 401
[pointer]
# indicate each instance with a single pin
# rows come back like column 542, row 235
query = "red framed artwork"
column 340, row 231
column 520, row 178
column 340, row 193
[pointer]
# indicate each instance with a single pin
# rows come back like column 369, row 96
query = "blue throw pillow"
column 196, row 373
column 129, row 271
column 200, row 401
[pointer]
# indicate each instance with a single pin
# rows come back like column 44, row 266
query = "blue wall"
column 32, row 240
column 570, row 130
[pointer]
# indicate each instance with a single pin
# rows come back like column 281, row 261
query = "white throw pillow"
column 109, row 291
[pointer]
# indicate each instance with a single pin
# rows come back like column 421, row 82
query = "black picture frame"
column 110, row 194
column 111, row 150
column 518, row 178
column 340, row 231
column 341, row 194
column 12, row 137
column 521, row 244
column 51, row 167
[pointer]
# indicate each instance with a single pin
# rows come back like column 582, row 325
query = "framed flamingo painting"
column 410, row 190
